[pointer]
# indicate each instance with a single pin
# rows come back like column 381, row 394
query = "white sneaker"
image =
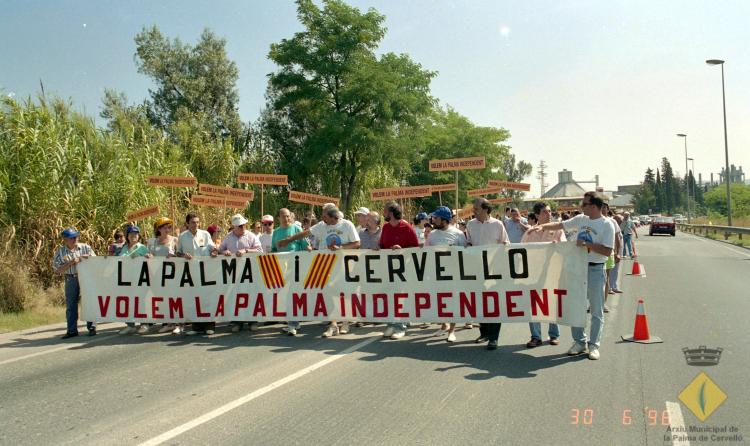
column 165, row 328
column 332, row 330
column 177, row 330
column 291, row 331
column 344, row 329
column 451, row 337
column 388, row 332
column 143, row 329
column 398, row 335
column 594, row 353
column 236, row 328
column 209, row 332
column 254, row 326
column 577, row 349
column 469, row 326
column 127, row 330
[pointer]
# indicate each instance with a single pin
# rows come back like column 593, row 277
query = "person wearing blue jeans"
column 595, row 294
column 596, row 235
column 628, row 231
column 536, row 333
column 65, row 262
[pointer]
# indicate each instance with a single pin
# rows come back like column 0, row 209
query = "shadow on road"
column 508, row 361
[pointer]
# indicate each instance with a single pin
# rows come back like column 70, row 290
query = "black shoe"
column 481, row 339
column 92, row 331
column 492, row 345
column 69, row 335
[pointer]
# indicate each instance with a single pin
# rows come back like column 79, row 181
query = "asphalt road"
column 267, row 388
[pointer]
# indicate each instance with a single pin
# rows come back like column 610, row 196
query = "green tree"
column 716, row 200
column 645, row 198
column 335, row 107
column 193, row 83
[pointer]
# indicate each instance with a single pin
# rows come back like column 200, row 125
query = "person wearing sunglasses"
column 597, row 235
column 266, row 236
column 114, row 248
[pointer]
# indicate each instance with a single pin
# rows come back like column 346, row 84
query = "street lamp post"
column 726, row 144
column 687, row 182
column 692, row 171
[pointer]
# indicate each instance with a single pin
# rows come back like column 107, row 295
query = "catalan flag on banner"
column 320, row 271
column 270, row 269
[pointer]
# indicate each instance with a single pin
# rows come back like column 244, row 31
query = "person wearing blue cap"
column 445, row 234
column 419, row 221
column 65, row 262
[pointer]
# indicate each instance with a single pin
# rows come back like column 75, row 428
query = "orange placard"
column 393, row 193
column 476, row 162
column 316, row 200
column 443, row 187
column 483, row 191
column 465, row 212
column 160, row 181
column 500, row 200
column 140, row 214
column 229, row 192
column 262, row 178
column 218, row 202
column 567, row 208
column 509, row 185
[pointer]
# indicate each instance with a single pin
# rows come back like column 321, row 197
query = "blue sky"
column 594, row 87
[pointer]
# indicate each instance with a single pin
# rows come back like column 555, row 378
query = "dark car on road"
column 662, row 225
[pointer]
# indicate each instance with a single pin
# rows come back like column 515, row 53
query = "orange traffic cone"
column 636, row 269
column 640, row 331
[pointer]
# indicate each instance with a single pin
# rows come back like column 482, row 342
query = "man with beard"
column 445, row 234
column 397, row 233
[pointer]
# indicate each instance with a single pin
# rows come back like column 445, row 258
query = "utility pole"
column 541, row 175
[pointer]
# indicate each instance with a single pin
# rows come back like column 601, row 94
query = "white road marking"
column 56, row 349
column 676, row 422
column 166, row 436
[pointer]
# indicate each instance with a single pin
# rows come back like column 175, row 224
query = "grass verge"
column 35, row 317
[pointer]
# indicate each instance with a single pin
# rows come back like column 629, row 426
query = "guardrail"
column 706, row 229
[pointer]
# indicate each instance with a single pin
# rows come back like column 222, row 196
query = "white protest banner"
column 544, row 282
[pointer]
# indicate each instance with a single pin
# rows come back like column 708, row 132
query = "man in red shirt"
column 397, row 233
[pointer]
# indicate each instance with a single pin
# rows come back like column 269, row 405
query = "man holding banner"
column 238, row 242
column 397, row 233
column 598, row 237
column 445, row 234
column 196, row 242
column 544, row 213
column 286, row 229
column 486, row 230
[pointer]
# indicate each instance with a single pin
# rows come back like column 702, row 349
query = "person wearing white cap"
column 361, row 215
column 266, row 236
column 238, row 242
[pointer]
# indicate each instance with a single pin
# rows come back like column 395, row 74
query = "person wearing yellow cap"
column 164, row 244
column 65, row 262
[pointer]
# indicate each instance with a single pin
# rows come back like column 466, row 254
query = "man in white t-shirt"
column 445, row 234
column 266, row 235
column 333, row 233
column 596, row 234
column 486, row 230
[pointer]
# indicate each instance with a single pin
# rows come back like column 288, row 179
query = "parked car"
column 662, row 225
